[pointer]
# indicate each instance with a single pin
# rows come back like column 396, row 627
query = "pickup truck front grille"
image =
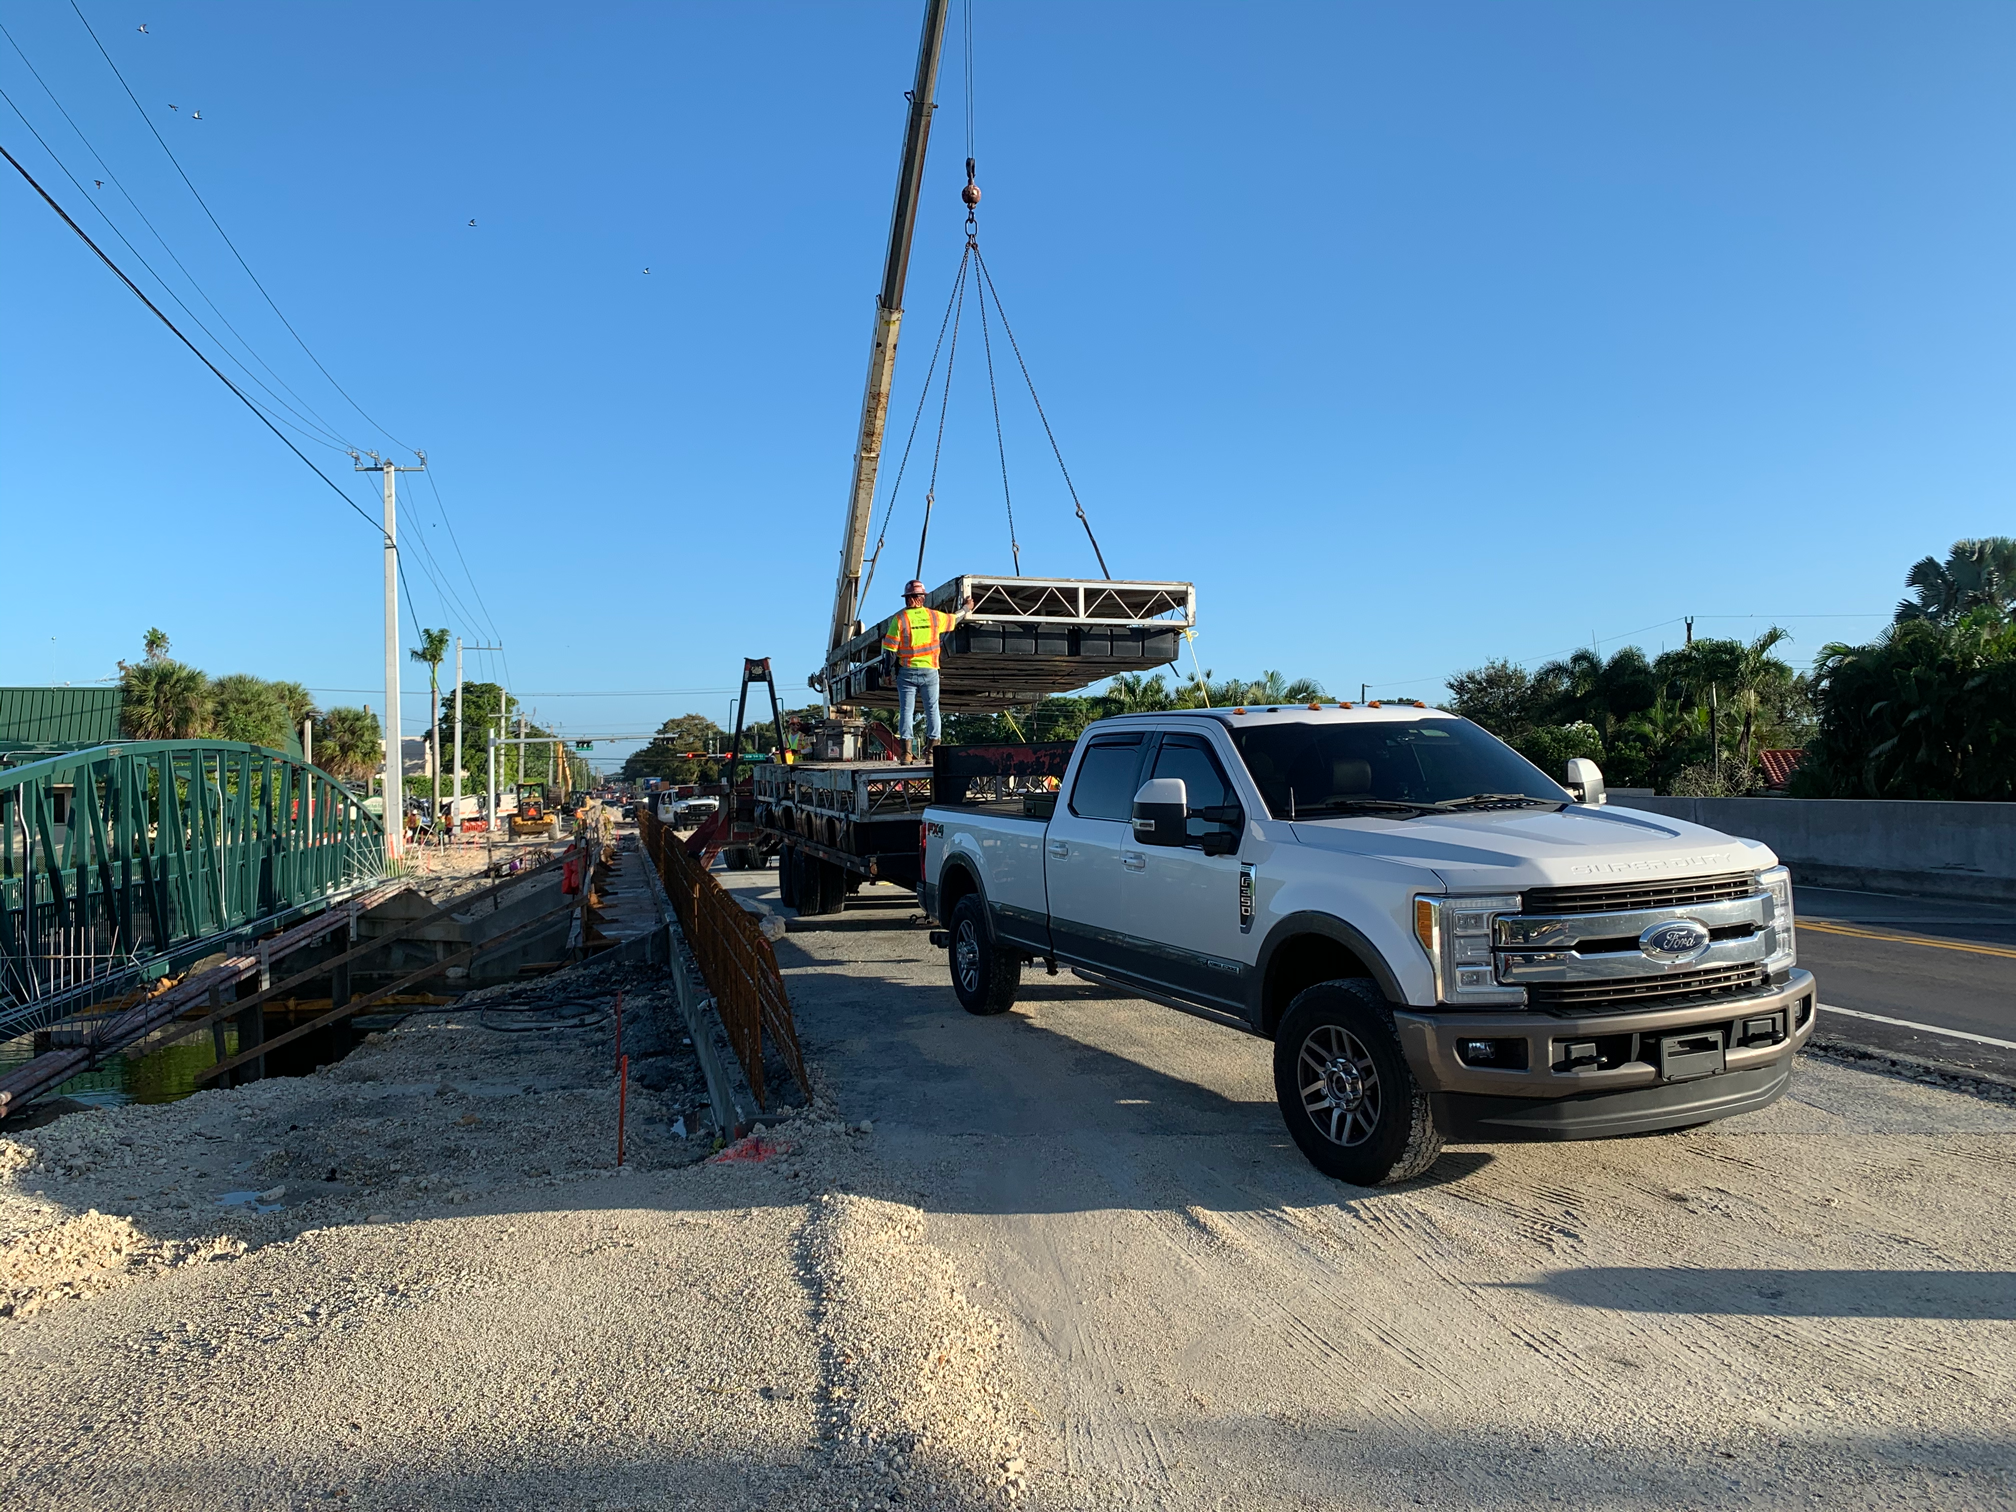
column 1670, row 990
column 1630, row 897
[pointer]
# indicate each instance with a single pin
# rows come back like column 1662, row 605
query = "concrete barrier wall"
column 1954, row 850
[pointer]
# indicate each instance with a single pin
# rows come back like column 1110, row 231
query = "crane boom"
column 888, row 322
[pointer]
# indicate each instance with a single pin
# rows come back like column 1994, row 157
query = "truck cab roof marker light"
column 1315, row 706
column 1238, row 711
column 1373, row 705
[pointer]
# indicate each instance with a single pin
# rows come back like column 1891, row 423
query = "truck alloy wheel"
column 984, row 979
column 1340, row 1085
column 1350, row 1102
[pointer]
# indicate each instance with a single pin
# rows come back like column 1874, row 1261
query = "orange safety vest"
column 914, row 634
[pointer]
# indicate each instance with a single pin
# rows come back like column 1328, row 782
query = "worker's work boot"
column 903, row 747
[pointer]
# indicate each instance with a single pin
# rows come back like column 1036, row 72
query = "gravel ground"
column 418, row 1279
column 1066, row 1257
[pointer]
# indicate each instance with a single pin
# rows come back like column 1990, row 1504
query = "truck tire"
column 1345, row 1091
column 984, row 978
column 787, row 876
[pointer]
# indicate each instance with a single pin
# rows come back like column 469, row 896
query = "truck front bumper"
column 1585, row 1077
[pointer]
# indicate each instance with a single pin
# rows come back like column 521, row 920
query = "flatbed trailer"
column 836, row 825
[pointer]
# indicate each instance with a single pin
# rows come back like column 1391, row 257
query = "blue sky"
column 1413, row 334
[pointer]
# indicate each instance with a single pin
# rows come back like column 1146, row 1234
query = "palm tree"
column 156, row 643
column 349, row 743
column 1665, row 731
column 1974, row 574
column 1756, row 670
column 164, row 700
column 243, row 707
column 433, row 647
column 1137, row 693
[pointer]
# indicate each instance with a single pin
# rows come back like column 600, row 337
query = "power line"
column 227, row 239
column 321, row 422
column 167, row 288
column 457, row 542
column 139, row 295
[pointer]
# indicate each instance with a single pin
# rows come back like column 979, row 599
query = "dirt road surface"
column 1066, row 1258
column 1815, row 1305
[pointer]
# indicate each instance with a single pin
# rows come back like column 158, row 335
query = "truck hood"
column 1509, row 851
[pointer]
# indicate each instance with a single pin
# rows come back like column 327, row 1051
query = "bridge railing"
column 120, row 862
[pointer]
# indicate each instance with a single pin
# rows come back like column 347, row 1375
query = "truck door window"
column 1213, row 806
column 1105, row 787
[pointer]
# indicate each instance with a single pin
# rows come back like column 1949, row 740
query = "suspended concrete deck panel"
column 1027, row 638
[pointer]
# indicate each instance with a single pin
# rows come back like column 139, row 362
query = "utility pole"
column 455, row 808
column 395, row 754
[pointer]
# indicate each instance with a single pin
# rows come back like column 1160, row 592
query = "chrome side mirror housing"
column 1161, row 812
column 1585, row 781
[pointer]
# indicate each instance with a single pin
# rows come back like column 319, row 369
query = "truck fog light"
column 1498, row 1054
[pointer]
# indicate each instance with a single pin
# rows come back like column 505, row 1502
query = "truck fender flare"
column 1309, row 922
column 965, row 864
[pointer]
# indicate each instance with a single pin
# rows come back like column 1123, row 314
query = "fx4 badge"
column 1246, row 899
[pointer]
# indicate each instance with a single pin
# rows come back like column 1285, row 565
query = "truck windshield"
column 1307, row 769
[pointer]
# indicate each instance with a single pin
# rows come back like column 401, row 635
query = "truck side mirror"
column 1585, row 781
column 1162, row 811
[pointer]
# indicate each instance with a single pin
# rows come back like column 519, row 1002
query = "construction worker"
column 913, row 638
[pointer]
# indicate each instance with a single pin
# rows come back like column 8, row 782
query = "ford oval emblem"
column 1675, row 941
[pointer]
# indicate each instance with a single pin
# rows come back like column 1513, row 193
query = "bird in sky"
column 195, row 115
column 143, row 26
column 101, row 184
column 472, row 220
column 174, row 107
column 647, row 270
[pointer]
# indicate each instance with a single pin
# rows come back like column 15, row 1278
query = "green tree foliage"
column 349, row 744
column 1712, row 704
column 1925, row 711
column 164, row 700
column 668, row 757
column 1975, row 575
column 247, row 708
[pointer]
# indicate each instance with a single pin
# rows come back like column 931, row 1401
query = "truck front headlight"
column 1457, row 934
column 1784, row 943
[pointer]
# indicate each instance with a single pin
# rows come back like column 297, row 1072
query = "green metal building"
column 47, row 721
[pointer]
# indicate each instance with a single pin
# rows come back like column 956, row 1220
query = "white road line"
column 1979, row 1039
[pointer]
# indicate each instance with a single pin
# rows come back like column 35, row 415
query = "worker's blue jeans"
column 914, row 686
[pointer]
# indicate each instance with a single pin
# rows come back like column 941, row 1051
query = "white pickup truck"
column 1441, row 941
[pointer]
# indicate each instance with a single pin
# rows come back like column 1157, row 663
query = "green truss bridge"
column 121, row 864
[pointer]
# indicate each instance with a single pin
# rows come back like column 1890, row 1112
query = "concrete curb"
column 728, row 1091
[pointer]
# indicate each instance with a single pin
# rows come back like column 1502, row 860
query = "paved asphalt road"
column 1938, row 971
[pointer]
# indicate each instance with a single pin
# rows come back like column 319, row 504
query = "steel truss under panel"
column 1027, row 638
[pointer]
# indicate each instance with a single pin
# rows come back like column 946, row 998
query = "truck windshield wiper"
column 1366, row 806
column 1491, row 800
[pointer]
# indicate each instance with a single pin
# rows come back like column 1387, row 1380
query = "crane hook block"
column 971, row 193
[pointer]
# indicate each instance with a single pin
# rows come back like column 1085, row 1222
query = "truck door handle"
column 1133, row 860
column 1059, row 850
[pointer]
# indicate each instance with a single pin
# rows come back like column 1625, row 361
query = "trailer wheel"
column 787, row 876
column 1344, row 1088
column 984, row 979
